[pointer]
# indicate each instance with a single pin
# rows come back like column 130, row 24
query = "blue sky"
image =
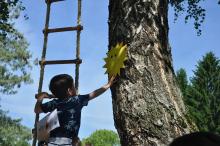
column 187, row 49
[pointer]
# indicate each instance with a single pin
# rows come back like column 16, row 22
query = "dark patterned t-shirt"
column 69, row 114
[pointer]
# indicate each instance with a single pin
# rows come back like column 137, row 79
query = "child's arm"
column 40, row 98
column 101, row 90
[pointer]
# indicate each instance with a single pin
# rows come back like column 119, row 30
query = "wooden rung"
column 79, row 27
column 52, row 1
column 75, row 61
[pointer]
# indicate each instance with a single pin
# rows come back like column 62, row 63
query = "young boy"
column 68, row 105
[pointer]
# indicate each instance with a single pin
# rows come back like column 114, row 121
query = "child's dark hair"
column 59, row 85
column 197, row 139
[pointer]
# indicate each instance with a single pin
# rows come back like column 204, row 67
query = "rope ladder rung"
column 53, row 1
column 63, row 29
column 53, row 62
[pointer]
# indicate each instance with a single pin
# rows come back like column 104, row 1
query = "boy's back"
column 69, row 114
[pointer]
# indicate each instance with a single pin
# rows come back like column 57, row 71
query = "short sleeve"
column 84, row 99
column 48, row 106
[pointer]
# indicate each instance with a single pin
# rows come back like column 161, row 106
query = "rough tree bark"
column 147, row 104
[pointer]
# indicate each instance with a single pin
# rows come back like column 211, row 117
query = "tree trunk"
column 147, row 104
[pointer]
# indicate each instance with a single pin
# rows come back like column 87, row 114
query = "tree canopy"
column 12, row 133
column 15, row 56
column 102, row 138
column 202, row 96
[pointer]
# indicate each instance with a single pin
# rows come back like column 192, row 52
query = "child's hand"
column 111, row 81
column 42, row 95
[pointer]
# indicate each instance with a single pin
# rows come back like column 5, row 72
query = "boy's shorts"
column 60, row 141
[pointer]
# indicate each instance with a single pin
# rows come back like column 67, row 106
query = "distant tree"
column 203, row 96
column 182, row 80
column 14, row 70
column 102, row 138
column 14, row 53
column 12, row 133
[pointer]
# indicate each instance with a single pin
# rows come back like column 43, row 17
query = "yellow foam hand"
column 115, row 59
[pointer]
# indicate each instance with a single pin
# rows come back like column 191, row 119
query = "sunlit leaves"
column 192, row 10
column 102, row 138
column 12, row 133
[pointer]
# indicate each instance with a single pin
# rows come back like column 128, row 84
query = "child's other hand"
column 42, row 95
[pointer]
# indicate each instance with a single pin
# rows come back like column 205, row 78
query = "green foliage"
column 182, row 81
column 14, row 56
column 193, row 11
column 12, row 133
column 203, row 95
column 102, row 138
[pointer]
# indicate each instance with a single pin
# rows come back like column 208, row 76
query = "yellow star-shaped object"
column 115, row 59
